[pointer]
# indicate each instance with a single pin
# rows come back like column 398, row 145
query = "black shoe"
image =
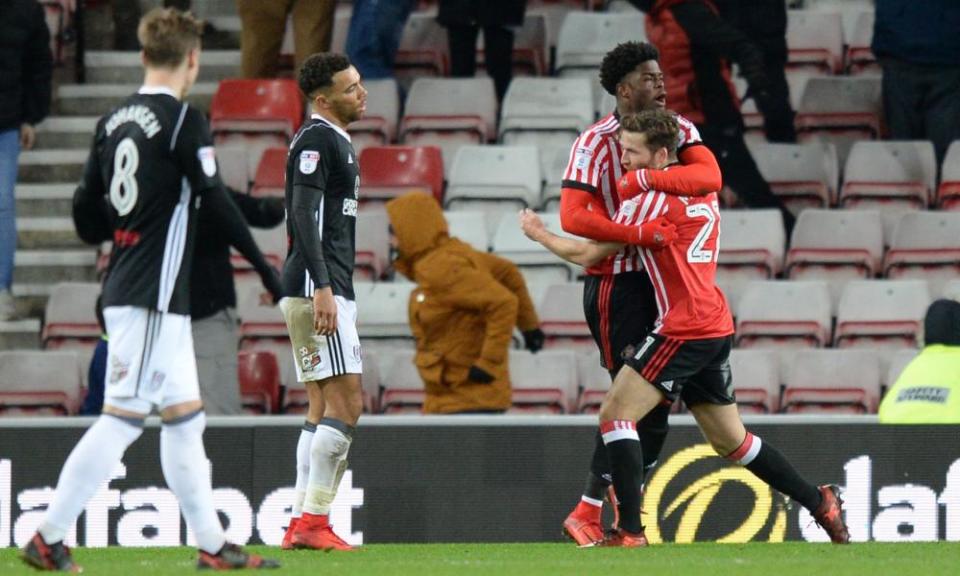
column 49, row 557
column 233, row 557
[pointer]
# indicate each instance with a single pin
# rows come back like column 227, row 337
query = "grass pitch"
column 786, row 559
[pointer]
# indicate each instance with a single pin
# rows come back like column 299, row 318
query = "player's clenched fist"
column 324, row 311
column 657, row 233
column 531, row 224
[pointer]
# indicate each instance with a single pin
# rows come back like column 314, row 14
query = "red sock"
column 588, row 511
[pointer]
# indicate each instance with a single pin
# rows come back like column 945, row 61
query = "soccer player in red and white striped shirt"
column 618, row 297
column 686, row 355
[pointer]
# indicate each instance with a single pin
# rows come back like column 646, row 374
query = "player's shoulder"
column 315, row 134
column 688, row 131
column 597, row 133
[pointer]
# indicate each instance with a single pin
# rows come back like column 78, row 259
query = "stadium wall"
column 496, row 479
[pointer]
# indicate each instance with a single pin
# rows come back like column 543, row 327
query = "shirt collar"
column 338, row 129
column 152, row 90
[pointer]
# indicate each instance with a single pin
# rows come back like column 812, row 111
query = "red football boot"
column 287, row 543
column 233, row 557
column 622, row 539
column 583, row 524
column 315, row 532
column 49, row 557
column 829, row 515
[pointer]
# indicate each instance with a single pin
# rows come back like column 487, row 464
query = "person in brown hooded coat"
column 462, row 312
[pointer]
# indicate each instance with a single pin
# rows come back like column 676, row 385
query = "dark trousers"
column 497, row 50
column 922, row 103
column 740, row 172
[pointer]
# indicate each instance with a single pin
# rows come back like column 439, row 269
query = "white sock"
column 184, row 463
column 328, row 459
column 303, row 466
column 86, row 469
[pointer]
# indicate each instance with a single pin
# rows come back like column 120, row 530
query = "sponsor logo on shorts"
column 118, row 370
column 357, row 353
column 309, row 359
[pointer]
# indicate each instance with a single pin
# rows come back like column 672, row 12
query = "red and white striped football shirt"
column 683, row 274
column 594, row 166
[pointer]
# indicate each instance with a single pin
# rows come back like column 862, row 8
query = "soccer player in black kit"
column 151, row 165
column 323, row 180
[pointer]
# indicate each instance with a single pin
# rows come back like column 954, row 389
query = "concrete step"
column 66, row 132
column 44, row 199
column 210, row 8
column 98, row 99
column 31, row 299
column 52, row 266
column 106, row 67
column 20, row 334
column 51, row 166
column 43, row 233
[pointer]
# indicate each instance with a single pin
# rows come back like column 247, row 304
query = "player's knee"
column 332, row 440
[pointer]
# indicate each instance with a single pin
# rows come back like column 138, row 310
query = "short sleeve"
column 193, row 145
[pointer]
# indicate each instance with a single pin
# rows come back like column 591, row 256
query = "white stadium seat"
column 948, row 195
column 70, row 316
column 378, row 127
column 554, row 108
column 545, row 381
column 403, row 390
column 534, row 260
column 382, row 310
column 37, row 383
column 815, row 39
column 881, row 313
column 561, row 314
column 471, row 227
column 784, row 314
column 926, row 245
column 832, row 381
column 585, row 37
column 756, row 380
column 881, row 173
column 751, row 248
column 594, row 382
column 803, row 175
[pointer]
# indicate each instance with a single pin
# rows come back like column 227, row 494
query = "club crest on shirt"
column 581, row 158
column 208, row 160
column 308, row 161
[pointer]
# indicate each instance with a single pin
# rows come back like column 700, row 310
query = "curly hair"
column 318, row 70
column 659, row 126
column 623, row 60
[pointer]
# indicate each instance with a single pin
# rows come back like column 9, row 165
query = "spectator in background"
column 213, row 298
column 26, row 66
column 462, row 312
column 696, row 46
column 463, row 20
column 264, row 22
column 928, row 389
column 918, row 47
column 374, row 37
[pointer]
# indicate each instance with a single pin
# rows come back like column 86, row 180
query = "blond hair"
column 167, row 35
column 658, row 126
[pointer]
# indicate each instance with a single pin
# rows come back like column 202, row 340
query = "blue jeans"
column 374, row 36
column 9, row 151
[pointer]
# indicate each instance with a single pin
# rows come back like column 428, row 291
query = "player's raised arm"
column 582, row 252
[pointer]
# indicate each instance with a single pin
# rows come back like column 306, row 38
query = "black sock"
column 769, row 465
column 626, row 464
column 652, row 429
column 598, row 480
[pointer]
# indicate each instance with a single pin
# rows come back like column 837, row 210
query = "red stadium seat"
column 271, row 173
column 259, row 376
column 256, row 105
column 390, row 171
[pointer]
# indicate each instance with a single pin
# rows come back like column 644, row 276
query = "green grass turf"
column 763, row 559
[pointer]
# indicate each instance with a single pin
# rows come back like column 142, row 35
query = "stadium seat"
column 70, row 318
column 926, row 245
column 836, row 246
column 815, row 39
column 382, row 310
column 889, row 174
column 373, row 244
column 257, row 321
column 948, row 195
column 390, row 171
column 546, row 111
column 784, row 314
column 553, row 164
column 802, row 175
column 860, row 58
column 257, row 113
column 833, row 381
column 402, row 388
column 272, row 243
column 543, row 382
column 844, row 109
column 423, row 47
column 495, row 179
column 561, row 316
column 259, row 375
column 378, row 127
column 39, row 383
column 536, row 262
column 232, row 161
column 752, row 248
column 271, row 176
column 585, row 37
column 796, row 83
column 756, row 380
column 881, row 314
column 471, row 227
column 529, row 46
column 951, row 290
column 594, row 382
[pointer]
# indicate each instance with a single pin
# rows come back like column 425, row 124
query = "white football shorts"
column 320, row 357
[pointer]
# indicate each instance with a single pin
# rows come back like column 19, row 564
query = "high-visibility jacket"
column 927, row 391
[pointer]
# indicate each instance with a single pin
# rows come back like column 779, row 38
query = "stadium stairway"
column 48, row 249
